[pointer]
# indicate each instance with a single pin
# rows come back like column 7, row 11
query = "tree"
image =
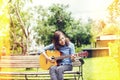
column 114, row 11
column 114, row 17
column 61, row 19
column 4, row 28
column 19, row 26
column 80, row 33
column 43, row 30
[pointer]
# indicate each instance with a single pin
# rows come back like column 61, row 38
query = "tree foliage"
column 114, row 16
column 4, row 28
column 60, row 19
column 19, row 26
column 38, row 24
column 114, row 11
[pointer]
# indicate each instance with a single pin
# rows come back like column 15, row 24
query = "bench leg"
column 37, row 71
column 26, row 77
column 74, row 77
column 81, row 73
column 79, row 77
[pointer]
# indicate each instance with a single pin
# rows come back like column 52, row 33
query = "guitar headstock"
column 83, row 54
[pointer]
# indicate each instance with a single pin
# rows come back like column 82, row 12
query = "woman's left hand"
column 73, row 57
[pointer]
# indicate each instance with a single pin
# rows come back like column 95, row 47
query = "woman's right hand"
column 51, row 59
column 48, row 58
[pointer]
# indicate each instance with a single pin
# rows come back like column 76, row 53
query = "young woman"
column 65, row 47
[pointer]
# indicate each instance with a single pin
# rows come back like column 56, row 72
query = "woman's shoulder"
column 71, row 44
column 50, row 46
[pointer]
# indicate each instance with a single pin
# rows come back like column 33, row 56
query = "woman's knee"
column 52, row 69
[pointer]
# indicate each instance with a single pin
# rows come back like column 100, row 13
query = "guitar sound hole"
column 52, row 57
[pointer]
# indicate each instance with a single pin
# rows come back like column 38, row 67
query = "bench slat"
column 21, row 66
column 37, row 73
column 20, row 57
column 18, row 61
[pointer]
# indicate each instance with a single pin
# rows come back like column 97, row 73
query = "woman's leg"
column 60, row 70
column 52, row 72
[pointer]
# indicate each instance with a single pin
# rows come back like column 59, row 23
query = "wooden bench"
column 8, row 64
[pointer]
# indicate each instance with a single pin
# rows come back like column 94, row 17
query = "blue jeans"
column 56, row 72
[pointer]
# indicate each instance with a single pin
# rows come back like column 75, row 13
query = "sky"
column 81, row 8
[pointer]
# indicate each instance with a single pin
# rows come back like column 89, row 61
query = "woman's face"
column 62, row 40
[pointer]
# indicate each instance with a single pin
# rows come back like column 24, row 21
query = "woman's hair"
column 56, row 39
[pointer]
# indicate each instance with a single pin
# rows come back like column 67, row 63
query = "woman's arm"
column 72, row 51
column 49, row 47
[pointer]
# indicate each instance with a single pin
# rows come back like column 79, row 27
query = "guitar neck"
column 62, row 57
column 81, row 54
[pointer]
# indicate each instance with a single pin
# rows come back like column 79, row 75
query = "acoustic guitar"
column 55, row 56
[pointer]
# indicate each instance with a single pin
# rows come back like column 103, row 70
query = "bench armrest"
column 82, row 61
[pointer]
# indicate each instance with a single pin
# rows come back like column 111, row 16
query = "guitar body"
column 46, row 64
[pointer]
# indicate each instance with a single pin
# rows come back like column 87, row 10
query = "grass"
column 30, row 77
column 97, row 68
column 101, row 68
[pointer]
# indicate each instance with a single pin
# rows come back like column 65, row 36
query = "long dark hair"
column 56, row 37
